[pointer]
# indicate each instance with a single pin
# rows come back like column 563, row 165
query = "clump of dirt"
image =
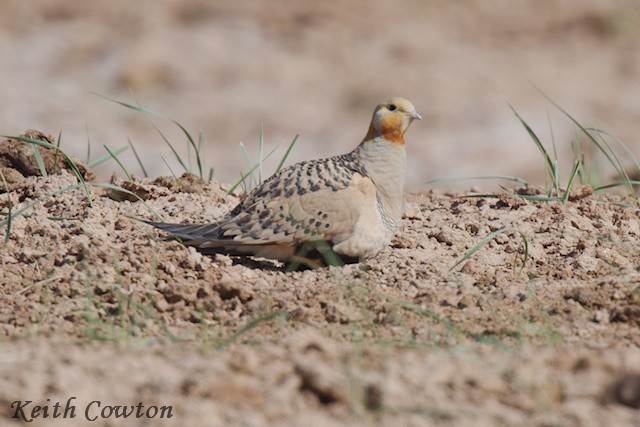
column 18, row 159
column 133, row 191
column 401, row 338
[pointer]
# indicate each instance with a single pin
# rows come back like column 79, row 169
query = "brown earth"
column 98, row 306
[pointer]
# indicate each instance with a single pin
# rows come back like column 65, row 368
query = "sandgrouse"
column 351, row 201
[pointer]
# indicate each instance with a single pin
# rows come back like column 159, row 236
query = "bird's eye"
column 392, row 107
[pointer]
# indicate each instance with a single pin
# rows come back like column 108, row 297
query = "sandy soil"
column 98, row 306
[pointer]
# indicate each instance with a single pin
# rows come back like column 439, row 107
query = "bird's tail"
column 207, row 239
column 188, row 231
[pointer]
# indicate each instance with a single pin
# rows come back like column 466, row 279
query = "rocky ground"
column 98, row 306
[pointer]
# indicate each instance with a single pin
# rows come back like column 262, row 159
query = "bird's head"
column 391, row 119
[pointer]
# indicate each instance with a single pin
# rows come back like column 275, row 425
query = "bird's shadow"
column 264, row 264
column 312, row 261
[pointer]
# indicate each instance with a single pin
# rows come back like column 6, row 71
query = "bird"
column 353, row 202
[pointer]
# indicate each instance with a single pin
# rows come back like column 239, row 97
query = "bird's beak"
column 416, row 116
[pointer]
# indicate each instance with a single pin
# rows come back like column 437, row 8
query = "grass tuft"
column 490, row 237
column 12, row 215
column 72, row 165
column 595, row 136
column 191, row 144
column 580, row 168
column 253, row 183
column 255, row 171
column 551, row 164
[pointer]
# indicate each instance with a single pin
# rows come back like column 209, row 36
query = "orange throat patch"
column 391, row 130
column 394, row 137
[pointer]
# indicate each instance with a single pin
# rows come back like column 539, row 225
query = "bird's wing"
column 325, row 214
column 316, row 200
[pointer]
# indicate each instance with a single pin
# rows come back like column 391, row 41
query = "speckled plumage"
column 353, row 201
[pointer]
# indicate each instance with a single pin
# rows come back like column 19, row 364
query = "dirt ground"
column 98, row 306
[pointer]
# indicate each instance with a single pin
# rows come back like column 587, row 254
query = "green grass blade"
column 621, row 172
column 614, row 159
column 556, row 170
column 478, row 196
column 533, row 198
column 572, row 176
column 328, row 254
column 299, row 259
column 107, row 156
column 55, row 157
column 536, row 140
column 135, row 154
column 252, row 324
column 556, row 177
column 170, row 170
column 519, row 181
column 421, row 311
column 196, row 148
column 578, row 154
column 626, row 206
column 247, row 159
column 147, row 114
column 553, row 137
column 530, row 197
column 608, row 152
column 70, row 162
column 9, row 216
column 617, row 184
column 200, row 142
column 124, row 190
column 260, row 150
column 137, row 108
column 490, row 237
column 624, row 146
column 36, row 154
column 199, row 152
column 38, row 200
column 243, row 177
column 540, row 198
column 164, row 138
column 286, row 153
column 115, row 157
column 86, row 129
column 243, row 184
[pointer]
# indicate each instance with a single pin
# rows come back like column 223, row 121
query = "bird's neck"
column 386, row 164
column 393, row 134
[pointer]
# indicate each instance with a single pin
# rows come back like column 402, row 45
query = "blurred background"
column 224, row 69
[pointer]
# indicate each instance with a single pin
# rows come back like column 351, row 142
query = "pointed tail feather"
column 207, row 239
column 188, row 231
